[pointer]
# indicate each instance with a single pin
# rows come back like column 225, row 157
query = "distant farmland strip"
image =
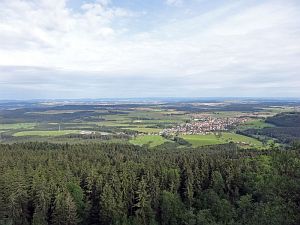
column 45, row 133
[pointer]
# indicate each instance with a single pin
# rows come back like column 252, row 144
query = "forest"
column 291, row 119
column 111, row 183
column 286, row 130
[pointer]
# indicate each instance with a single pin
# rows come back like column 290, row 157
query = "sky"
column 142, row 48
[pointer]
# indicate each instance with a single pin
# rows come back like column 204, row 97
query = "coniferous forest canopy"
column 44, row 183
column 167, row 163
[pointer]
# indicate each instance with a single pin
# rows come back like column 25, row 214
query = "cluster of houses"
column 205, row 125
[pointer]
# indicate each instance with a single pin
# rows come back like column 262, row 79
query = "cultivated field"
column 152, row 140
column 16, row 126
column 225, row 137
column 45, row 133
column 255, row 124
column 136, row 123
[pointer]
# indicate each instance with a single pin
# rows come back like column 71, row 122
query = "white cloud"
column 174, row 2
column 233, row 45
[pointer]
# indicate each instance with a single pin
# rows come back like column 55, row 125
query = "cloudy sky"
column 141, row 48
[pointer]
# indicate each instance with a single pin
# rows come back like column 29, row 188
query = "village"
column 205, row 125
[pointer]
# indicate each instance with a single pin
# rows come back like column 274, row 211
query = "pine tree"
column 144, row 212
column 218, row 183
column 18, row 198
column 65, row 211
column 186, row 187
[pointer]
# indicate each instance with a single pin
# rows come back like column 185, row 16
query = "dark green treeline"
column 51, row 184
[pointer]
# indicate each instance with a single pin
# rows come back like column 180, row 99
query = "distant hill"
column 285, row 120
column 287, row 128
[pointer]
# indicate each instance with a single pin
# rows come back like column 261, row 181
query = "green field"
column 113, row 124
column 45, row 133
column 255, row 124
column 211, row 139
column 152, row 140
column 145, row 129
column 16, row 126
column 237, row 138
column 201, row 140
